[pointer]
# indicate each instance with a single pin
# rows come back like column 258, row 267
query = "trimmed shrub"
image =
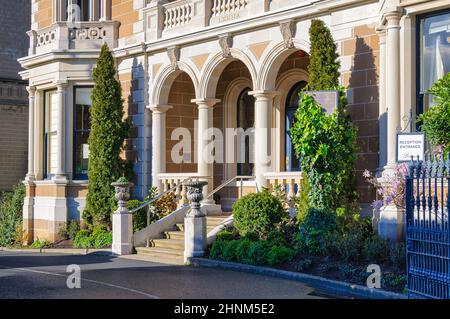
column 279, row 255
column 242, row 251
column 258, row 212
column 258, row 253
column 217, row 248
column 230, row 250
column 101, row 238
column 82, row 239
column 276, row 237
column 11, row 206
column 225, row 235
column 375, row 249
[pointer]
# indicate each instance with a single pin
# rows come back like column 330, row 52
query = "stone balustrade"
column 170, row 180
column 288, row 183
column 73, row 36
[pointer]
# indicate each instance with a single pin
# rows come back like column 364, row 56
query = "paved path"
column 33, row 275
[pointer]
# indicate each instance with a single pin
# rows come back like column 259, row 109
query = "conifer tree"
column 324, row 65
column 325, row 143
column 106, row 140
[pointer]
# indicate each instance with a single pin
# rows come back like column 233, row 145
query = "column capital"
column 159, row 109
column 263, row 94
column 391, row 17
column 31, row 90
column 205, row 103
column 381, row 31
column 61, row 85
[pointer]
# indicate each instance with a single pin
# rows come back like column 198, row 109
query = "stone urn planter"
column 195, row 196
column 122, row 220
column 194, row 222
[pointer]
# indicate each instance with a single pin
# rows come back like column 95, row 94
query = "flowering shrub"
column 392, row 189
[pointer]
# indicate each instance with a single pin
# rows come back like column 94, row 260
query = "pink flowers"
column 391, row 189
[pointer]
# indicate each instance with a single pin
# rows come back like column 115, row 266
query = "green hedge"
column 246, row 251
column 258, row 213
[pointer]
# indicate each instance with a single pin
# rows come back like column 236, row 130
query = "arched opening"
column 292, row 102
column 183, row 115
column 235, row 109
column 292, row 77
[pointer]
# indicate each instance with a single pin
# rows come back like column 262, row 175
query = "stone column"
column 61, row 158
column 28, row 204
column 158, row 143
column 392, row 84
column 391, row 218
column 122, row 221
column 204, row 158
column 195, row 223
column 263, row 105
column 31, row 109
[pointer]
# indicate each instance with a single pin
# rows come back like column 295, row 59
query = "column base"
column 391, row 223
column 122, row 234
column 194, row 238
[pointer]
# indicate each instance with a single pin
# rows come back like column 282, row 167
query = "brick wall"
column 183, row 114
column 126, row 12
column 42, row 14
column 13, row 135
column 14, row 23
column 362, row 81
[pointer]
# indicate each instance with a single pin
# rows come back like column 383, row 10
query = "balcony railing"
column 76, row 36
column 165, row 19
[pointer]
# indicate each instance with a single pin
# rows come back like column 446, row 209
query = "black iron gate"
column 428, row 228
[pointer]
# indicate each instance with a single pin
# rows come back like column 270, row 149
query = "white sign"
column 86, row 151
column 410, row 144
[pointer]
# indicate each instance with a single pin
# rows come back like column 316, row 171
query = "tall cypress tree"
column 325, row 143
column 324, row 65
column 108, row 133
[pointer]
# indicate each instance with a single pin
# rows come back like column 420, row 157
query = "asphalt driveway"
column 30, row 275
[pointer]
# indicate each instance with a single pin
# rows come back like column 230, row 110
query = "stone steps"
column 171, row 249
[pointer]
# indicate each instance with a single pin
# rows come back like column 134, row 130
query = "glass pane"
column 50, row 132
column 434, row 51
column 245, row 120
column 81, row 153
column 81, row 131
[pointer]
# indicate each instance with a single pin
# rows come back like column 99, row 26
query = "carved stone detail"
column 226, row 42
column 287, row 29
column 174, row 56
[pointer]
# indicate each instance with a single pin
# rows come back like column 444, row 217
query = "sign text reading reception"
column 410, row 144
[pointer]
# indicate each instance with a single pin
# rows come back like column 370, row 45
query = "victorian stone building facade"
column 13, row 93
column 198, row 64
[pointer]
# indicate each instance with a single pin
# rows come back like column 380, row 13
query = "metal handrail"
column 154, row 199
column 229, row 181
